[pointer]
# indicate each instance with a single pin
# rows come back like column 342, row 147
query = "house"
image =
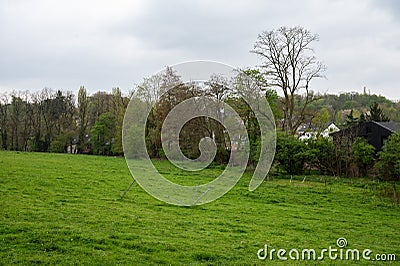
column 306, row 133
column 376, row 133
column 329, row 130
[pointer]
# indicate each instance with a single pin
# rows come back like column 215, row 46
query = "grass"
column 67, row 209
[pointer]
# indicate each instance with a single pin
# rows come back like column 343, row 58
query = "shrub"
column 388, row 166
column 364, row 156
column 57, row 146
column 291, row 153
column 327, row 157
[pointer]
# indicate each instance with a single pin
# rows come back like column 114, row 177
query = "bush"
column 57, row 146
column 388, row 166
column 38, row 144
column 291, row 153
column 364, row 156
column 327, row 157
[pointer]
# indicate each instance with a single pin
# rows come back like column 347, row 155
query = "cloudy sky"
column 106, row 44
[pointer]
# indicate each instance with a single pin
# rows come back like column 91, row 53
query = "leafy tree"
column 53, row 106
column 118, row 110
column 388, row 166
column 59, row 144
column 257, row 76
column 270, row 94
column 132, row 128
column 99, row 103
column 252, row 127
column 364, row 155
column 291, row 153
column 38, row 144
column 273, row 100
column 327, row 157
column 321, row 119
column 103, row 134
column 83, row 105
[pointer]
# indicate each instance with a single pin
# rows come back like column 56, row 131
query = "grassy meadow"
column 67, row 209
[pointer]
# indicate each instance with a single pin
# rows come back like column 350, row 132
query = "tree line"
column 58, row 121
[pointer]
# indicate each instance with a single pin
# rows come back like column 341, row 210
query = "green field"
column 67, row 209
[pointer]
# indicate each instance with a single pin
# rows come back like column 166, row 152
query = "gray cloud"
column 392, row 6
column 102, row 45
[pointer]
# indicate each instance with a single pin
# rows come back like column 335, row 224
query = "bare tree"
column 149, row 91
column 4, row 110
column 27, row 119
column 289, row 63
column 16, row 115
column 47, row 113
column 218, row 89
column 37, row 122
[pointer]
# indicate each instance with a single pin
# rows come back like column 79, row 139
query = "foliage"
column 83, row 105
column 62, row 142
column 327, row 157
column 291, row 153
column 351, row 119
column 364, row 155
column 388, row 166
column 103, row 134
column 32, row 121
column 37, row 144
column 57, row 146
column 321, row 119
column 376, row 114
column 252, row 128
column 118, row 110
column 273, row 100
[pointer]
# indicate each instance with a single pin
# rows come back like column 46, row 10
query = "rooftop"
column 392, row 126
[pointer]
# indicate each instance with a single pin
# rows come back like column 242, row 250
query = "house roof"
column 392, row 126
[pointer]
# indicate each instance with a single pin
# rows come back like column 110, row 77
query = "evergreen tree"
column 376, row 114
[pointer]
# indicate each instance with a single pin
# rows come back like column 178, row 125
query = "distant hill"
column 339, row 106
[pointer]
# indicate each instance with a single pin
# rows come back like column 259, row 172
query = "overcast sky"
column 106, row 44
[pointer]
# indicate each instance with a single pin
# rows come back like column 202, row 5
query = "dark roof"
column 392, row 126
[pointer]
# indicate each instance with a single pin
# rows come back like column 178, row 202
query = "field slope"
column 67, row 209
